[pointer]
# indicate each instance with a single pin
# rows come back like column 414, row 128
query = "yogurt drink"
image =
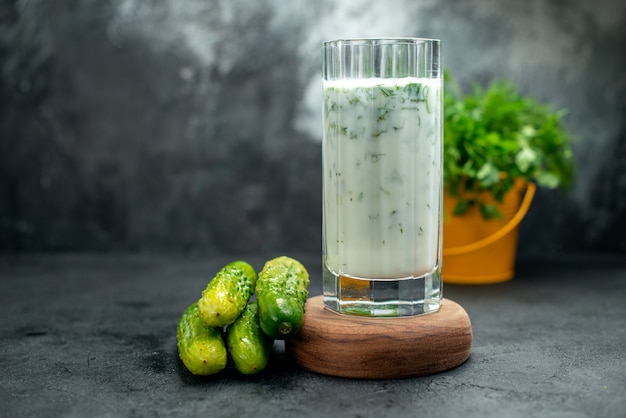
column 382, row 156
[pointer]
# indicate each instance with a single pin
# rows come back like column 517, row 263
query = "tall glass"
column 382, row 168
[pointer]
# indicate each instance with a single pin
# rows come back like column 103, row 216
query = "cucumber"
column 200, row 347
column 248, row 346
column 227, row 293
column 281, row 291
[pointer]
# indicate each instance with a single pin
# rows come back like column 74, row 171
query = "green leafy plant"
column 493, row 136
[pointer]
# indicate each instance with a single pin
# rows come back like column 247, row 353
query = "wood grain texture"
column 381, row 348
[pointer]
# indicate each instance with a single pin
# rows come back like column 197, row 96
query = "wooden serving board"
column 381, row 348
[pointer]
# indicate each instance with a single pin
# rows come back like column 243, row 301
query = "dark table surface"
column 94, row 335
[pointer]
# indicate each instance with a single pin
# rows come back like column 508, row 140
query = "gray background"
column 194, row 126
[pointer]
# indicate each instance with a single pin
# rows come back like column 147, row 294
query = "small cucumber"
column 227, row 293
column 281, row 292
column 200, row 347
column 248, row 346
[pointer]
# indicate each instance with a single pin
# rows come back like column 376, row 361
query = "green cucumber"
column 227, row 293
column 281, row 292
column 200, row 347
column 248, row 346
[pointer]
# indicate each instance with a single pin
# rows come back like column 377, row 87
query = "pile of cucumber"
column 224, row 323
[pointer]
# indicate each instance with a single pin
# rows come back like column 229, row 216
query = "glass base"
column 407, row 296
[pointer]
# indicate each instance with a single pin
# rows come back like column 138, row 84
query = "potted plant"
column 498, row 144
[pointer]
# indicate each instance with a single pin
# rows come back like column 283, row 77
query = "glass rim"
column 373, row 41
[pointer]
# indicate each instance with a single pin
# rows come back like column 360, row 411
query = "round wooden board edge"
column 387, row 348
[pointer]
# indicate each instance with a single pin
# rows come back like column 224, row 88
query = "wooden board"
column 381, row 348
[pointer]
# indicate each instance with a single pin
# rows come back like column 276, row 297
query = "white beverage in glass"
column 382, row 176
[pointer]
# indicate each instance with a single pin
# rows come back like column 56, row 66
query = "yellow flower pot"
column 479, row 251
